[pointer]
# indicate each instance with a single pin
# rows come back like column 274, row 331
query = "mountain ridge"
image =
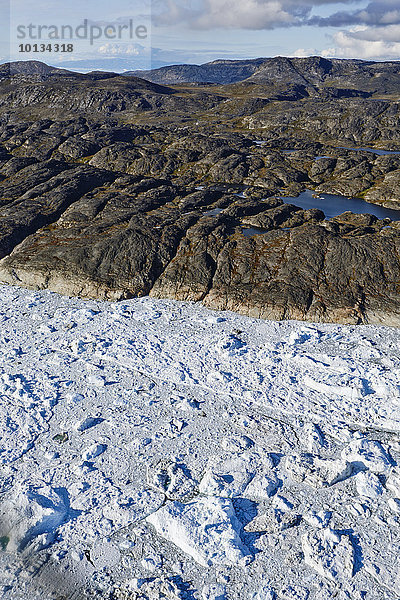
column 311, row 70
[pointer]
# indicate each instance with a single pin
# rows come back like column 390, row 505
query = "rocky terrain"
column 113, row 187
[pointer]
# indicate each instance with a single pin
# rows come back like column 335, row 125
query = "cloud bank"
column 246, row 14
column 378, row 13
column 366, row 43
column 371, row 32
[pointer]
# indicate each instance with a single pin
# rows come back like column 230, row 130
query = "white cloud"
column 247, row 14
column 303, row 52
column 391, row 33
column 110, row 49
column 366, row 42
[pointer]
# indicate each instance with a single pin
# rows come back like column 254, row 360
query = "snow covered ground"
column 155, row 449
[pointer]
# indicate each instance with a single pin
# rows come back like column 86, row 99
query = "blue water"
column 373, row 150
column 250, row 231
column 336, row 205
column 213, row 212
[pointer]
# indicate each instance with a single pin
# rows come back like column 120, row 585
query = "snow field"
column 155, row 449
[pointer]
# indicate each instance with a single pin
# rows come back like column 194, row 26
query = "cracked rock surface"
column 96, row 232
column 114, row 187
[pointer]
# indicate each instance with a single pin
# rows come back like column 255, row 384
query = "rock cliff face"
column 181, row 198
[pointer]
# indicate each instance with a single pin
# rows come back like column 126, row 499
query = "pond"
column 213, row 212
column 250, row 231
column 373, row 150
column 333, row 205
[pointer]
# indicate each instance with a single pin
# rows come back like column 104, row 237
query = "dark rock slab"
column 45, row 202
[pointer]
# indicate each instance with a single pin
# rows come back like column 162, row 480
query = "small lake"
column 373, row 150
column 213, row 212
column 333, row 205
column 250, row 231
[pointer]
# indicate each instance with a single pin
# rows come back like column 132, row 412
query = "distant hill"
column 28, row 67
column 235, row 89
column 40, row 70
column 218, row 71
column 314, row 71
column 311, row 73
column 34, row 86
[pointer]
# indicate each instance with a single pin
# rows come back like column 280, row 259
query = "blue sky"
column 197, row 31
